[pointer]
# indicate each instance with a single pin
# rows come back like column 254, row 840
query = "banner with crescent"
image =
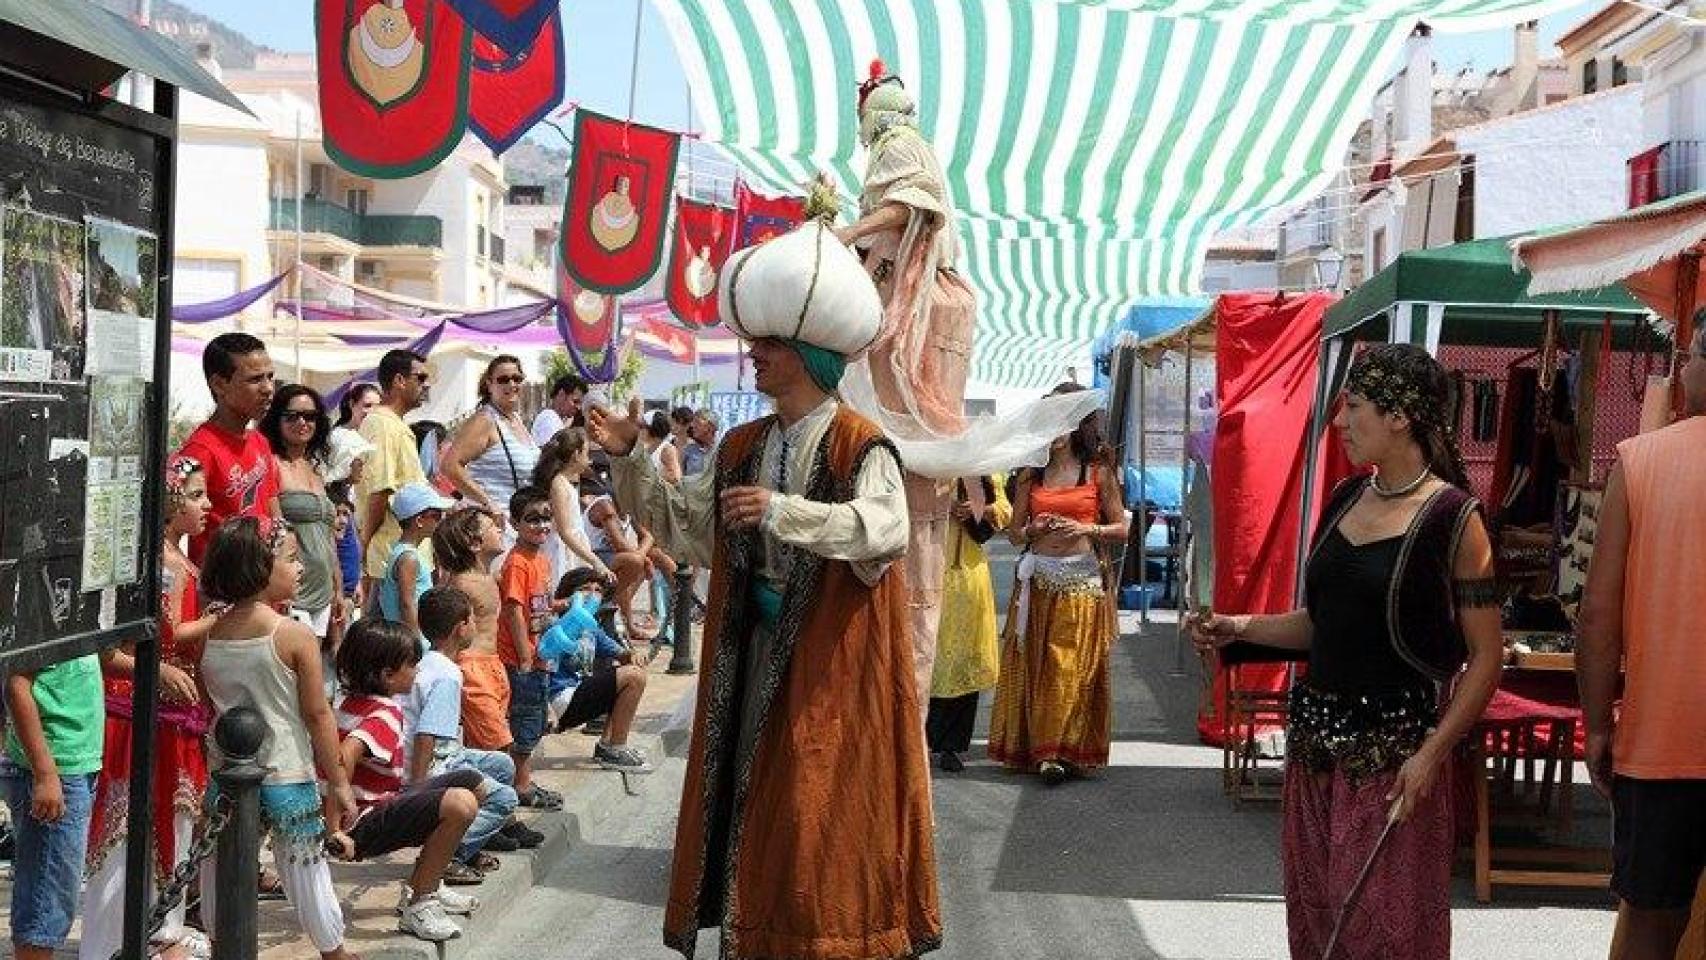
column 393, row 77
column 511, row 24
column 588, row 323
column 704, row 238
column 759, row 217
column 511, row 92
column 620, row 182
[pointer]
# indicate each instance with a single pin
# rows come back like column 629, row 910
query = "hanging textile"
column 393, row 77
column 509, row 93
column 760, row 217
column 588, row 324
column 620, row 181
column 662, row 340
column 511, row 25
column 230, row 306
column 1266, row 359
column 704, row 236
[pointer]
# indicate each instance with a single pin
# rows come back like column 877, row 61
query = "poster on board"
column 41, row 296
column 123, row 273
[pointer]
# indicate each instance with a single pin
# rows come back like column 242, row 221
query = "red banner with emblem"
column 511, row 24
column 393, row 77
column 704, row 238
column 659, row 334
column 758, row 217
column 588, row 324
column 511, row 92
column 620, row 182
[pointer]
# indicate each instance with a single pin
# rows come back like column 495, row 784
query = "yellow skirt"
column 968, row 654
column 1054, row 701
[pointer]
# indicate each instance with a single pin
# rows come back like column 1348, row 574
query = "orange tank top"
column 1661, row 731
column 1081, row 503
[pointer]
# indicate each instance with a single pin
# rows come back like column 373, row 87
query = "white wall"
column 1558, row 165
column 1220, row 276
column 1675, row 92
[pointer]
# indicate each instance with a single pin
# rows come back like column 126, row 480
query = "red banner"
column 760, row 217
column 511, row 24
column 679, row 344
column 510, row 93
column 393, row 80
column 620, row 182
column 591, row 316
column 704, row 238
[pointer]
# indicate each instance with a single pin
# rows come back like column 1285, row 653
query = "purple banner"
column 423, row 346
column 230, row 306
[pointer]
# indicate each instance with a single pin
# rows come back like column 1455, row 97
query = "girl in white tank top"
column 262, row 660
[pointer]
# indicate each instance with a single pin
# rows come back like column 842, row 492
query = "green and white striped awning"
column 1094, row 147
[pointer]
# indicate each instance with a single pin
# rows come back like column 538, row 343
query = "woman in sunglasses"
column 493, row 452
column 299, row 430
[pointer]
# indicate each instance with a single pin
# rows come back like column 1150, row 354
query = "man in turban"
column 805, row 828
column 905, row 235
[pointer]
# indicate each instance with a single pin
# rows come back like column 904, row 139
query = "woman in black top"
column 1399, row 596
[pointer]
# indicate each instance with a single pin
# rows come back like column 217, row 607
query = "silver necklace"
column 1403, row 491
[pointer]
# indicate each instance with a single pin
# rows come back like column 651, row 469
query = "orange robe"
column 817, row 844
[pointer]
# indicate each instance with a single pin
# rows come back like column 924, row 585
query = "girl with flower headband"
column 180, row 768
column 258, row 658
column 1399, row 596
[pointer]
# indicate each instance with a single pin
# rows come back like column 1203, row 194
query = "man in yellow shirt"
column 395, row 460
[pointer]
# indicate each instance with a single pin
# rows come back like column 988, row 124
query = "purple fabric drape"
column 605, row 371
column 230, row 306
column 423, row 346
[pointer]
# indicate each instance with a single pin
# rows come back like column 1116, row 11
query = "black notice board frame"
column 27, row 647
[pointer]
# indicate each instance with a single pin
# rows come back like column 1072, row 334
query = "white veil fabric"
column 989, row 444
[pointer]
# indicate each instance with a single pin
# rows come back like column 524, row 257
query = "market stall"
column 1536, row 396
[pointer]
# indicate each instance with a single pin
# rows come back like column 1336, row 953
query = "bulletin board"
column 84, row 198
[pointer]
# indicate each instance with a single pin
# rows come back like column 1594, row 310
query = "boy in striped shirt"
column 375, row 664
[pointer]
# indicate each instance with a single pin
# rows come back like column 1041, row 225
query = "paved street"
column 1147, row 859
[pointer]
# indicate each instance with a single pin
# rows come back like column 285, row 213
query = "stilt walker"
column 906, row 237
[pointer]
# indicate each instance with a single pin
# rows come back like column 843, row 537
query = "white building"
column 1671, row 56
column 437, row 238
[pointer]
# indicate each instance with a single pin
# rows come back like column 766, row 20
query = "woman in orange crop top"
column 1052, row 706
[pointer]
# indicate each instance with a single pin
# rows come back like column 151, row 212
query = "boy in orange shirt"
column 525, row 590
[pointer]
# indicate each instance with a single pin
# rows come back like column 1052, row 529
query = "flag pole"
column 298, row 325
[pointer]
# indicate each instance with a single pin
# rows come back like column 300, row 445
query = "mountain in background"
column 534, row 163
column 192, row 30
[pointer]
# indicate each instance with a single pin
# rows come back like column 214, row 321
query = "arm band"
column 1483, row 592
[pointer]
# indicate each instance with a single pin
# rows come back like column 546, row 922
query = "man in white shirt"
column 566, row 396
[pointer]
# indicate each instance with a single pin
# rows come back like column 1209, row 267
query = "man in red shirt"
column 242, row 476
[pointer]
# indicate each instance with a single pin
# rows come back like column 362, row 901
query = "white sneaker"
column 454, row 903
column 426, row 919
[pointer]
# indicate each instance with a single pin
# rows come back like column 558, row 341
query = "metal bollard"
column 239, row 734
column 681, row 658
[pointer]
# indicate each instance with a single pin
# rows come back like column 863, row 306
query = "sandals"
column 540, row 798
column 271, row 888
column 458, row 874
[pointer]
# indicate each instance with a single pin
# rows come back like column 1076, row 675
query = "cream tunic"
column 868, row 531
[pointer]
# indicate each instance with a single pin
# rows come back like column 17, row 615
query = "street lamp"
column 1329, row 265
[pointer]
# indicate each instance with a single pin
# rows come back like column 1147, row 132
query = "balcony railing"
column 373, row 229
column 1665, row 171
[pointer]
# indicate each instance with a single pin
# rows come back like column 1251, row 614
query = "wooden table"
column 1517, row 741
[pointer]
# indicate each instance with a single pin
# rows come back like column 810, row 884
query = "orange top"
column 1661, row 731
column 525, row 579
column 1081, row 503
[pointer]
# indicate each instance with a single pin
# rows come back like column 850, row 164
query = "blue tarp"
column 1148, row 317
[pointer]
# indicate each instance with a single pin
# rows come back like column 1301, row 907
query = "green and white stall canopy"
column 1093, row 147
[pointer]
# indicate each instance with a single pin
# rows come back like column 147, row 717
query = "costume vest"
column 816, row 843
column 1422, row 623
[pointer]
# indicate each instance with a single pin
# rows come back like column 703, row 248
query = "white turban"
column 804, row 285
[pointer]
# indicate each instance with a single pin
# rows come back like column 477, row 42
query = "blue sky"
column 601, row 40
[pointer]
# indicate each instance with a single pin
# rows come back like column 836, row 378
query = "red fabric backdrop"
column 1267, row 355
